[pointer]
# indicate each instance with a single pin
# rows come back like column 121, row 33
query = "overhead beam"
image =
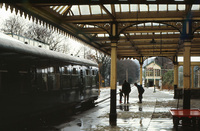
column 108, row 12
column 83, row 2
column 161, row 16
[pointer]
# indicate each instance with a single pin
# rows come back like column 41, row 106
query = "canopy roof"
column 145, row 27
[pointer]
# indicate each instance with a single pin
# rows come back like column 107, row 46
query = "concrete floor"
column 152, row 115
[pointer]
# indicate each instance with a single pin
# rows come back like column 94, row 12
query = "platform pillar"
column 113, row 75
column 192, row 77
column 113, row 113
column 186, row 73
column 176, row 93
column 141, row 63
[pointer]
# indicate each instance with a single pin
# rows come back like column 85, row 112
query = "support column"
column 186, row 37
column 113, row 81
column 186, row 73
column 192, row 76
column 176, row 91
column 141, row 63
column 113, row 75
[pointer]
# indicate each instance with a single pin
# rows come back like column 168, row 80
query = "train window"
column 50, row 69
column 75, row 71
column 66, row 71
column 44, row 70
column 93, row 72
column 87, row 72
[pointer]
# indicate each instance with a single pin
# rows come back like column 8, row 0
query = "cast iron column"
column 186, row 37
column 176, row 91
column 186, row 73
column 141, row 63
column 113, row 113
column 113, row 76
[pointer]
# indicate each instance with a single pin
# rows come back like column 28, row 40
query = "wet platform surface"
column 151, row 115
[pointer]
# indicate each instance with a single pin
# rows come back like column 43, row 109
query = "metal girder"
column 83, row 2
column 140, row 17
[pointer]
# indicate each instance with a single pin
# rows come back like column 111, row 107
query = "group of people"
column 126, row 89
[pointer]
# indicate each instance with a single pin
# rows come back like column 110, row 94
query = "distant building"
column 152, row 74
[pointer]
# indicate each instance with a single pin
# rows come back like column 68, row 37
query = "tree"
column 103, row 61
column 45, row 35
column 168, row 79
column 13, row 25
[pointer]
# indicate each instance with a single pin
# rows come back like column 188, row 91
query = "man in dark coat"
column 140, row 91
column 126, row 89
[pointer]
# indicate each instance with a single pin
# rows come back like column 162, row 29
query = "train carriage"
column 36, row 81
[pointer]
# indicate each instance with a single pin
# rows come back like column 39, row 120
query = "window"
column 75, row 10
column 152, row 7
column 87, row 72
column 75, row 71
column 65, row 70
column 85, row 10
column 125, row 7
column 134, row 7
column 93, row 72
column 143, row 7
column 95, row 9
column 171, row 7
column 162, row 7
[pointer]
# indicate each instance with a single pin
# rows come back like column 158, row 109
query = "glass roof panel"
column 100, row 35
column 181, row 7
column 148, row 24
column 59, row 9
column 106, row 35
column 134, row 7
column 84, row 9
column 55, row 7
column 108, row 7
column 125, row 7
column 95, row 9
column 171, row 7
column 75, row 10
column 195, row 7
column 155, row 24
column 142, row 24
column 63, row 10
column 152, row 7
column 117, row 9
column 162, row 7
column 143, row 7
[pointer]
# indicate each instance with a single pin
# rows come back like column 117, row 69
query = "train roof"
column 13, row 49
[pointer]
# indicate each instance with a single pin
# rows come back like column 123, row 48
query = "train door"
column 51, row 78
column 75, row 78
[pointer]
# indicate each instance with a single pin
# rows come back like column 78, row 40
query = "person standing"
column 120, row 95
column 140, row 91
column 126, row 89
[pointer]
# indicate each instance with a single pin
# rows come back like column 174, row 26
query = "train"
column 36, row 81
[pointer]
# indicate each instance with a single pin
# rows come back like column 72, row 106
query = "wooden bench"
column 185, row 117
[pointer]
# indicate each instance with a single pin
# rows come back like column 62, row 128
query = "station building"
column 152, row 74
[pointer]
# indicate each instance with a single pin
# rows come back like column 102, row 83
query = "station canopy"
column 144, row 27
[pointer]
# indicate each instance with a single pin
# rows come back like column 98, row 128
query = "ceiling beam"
column 108, row 12
column 83, row 2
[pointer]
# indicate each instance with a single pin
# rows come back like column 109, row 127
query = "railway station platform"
column 152, row 115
